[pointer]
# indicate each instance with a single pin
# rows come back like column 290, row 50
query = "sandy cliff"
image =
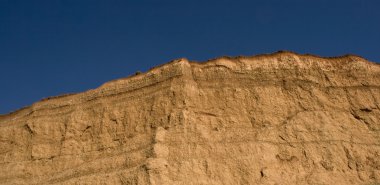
column 281, row 118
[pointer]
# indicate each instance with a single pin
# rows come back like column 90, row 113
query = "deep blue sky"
column 52, row 47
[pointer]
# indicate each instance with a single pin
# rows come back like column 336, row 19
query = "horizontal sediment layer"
column 261, row 63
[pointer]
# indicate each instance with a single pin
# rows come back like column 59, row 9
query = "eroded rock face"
column 282, row 118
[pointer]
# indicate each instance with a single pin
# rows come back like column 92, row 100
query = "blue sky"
column 52, row 47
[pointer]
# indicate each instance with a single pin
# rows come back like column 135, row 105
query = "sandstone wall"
column 271, row 119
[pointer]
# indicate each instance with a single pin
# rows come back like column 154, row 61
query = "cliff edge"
column 280, row 118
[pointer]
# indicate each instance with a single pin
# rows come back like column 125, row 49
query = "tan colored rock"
column 281, row 118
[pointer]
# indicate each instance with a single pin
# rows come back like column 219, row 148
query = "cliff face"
column 282, row 118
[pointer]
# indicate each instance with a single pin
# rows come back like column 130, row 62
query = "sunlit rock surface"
column 279, row 119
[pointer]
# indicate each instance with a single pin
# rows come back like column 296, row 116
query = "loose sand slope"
column 282, row 118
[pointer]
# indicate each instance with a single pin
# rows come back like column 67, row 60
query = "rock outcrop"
column 282, row 118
